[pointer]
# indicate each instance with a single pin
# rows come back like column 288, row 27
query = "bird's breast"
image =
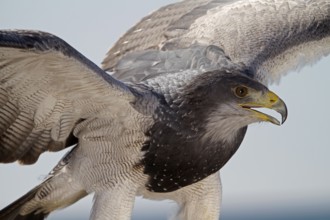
column 175, row 158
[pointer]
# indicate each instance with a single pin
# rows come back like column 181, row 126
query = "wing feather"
column 149, row 32
column 271, row 37
column 46, row 88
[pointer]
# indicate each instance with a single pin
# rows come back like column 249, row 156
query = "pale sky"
column 287, row 165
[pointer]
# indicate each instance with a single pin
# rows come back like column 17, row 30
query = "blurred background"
column 278, row 173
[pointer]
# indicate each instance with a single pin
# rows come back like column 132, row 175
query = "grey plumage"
column 176, row 121
column 271, row 37
column 45, row 106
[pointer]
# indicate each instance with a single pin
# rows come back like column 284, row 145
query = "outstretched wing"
column 46, row 88
column 150, row 31
column 271, row 37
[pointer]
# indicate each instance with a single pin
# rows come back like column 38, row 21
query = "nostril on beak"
column 272, row 101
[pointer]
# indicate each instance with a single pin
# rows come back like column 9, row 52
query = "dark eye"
column 241, row 91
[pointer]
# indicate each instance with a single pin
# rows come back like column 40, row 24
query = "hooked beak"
column 271, row 101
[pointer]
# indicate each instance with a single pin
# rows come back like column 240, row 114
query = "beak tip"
column 283, row 120
column 284, row 113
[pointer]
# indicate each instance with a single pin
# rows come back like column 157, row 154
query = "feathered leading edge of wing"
column 46, row 88
column 271, row 37
column 149, row 32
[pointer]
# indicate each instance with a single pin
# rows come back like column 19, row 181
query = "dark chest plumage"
column 177, row 155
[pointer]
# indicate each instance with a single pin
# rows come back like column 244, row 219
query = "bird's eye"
column 241, row 91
